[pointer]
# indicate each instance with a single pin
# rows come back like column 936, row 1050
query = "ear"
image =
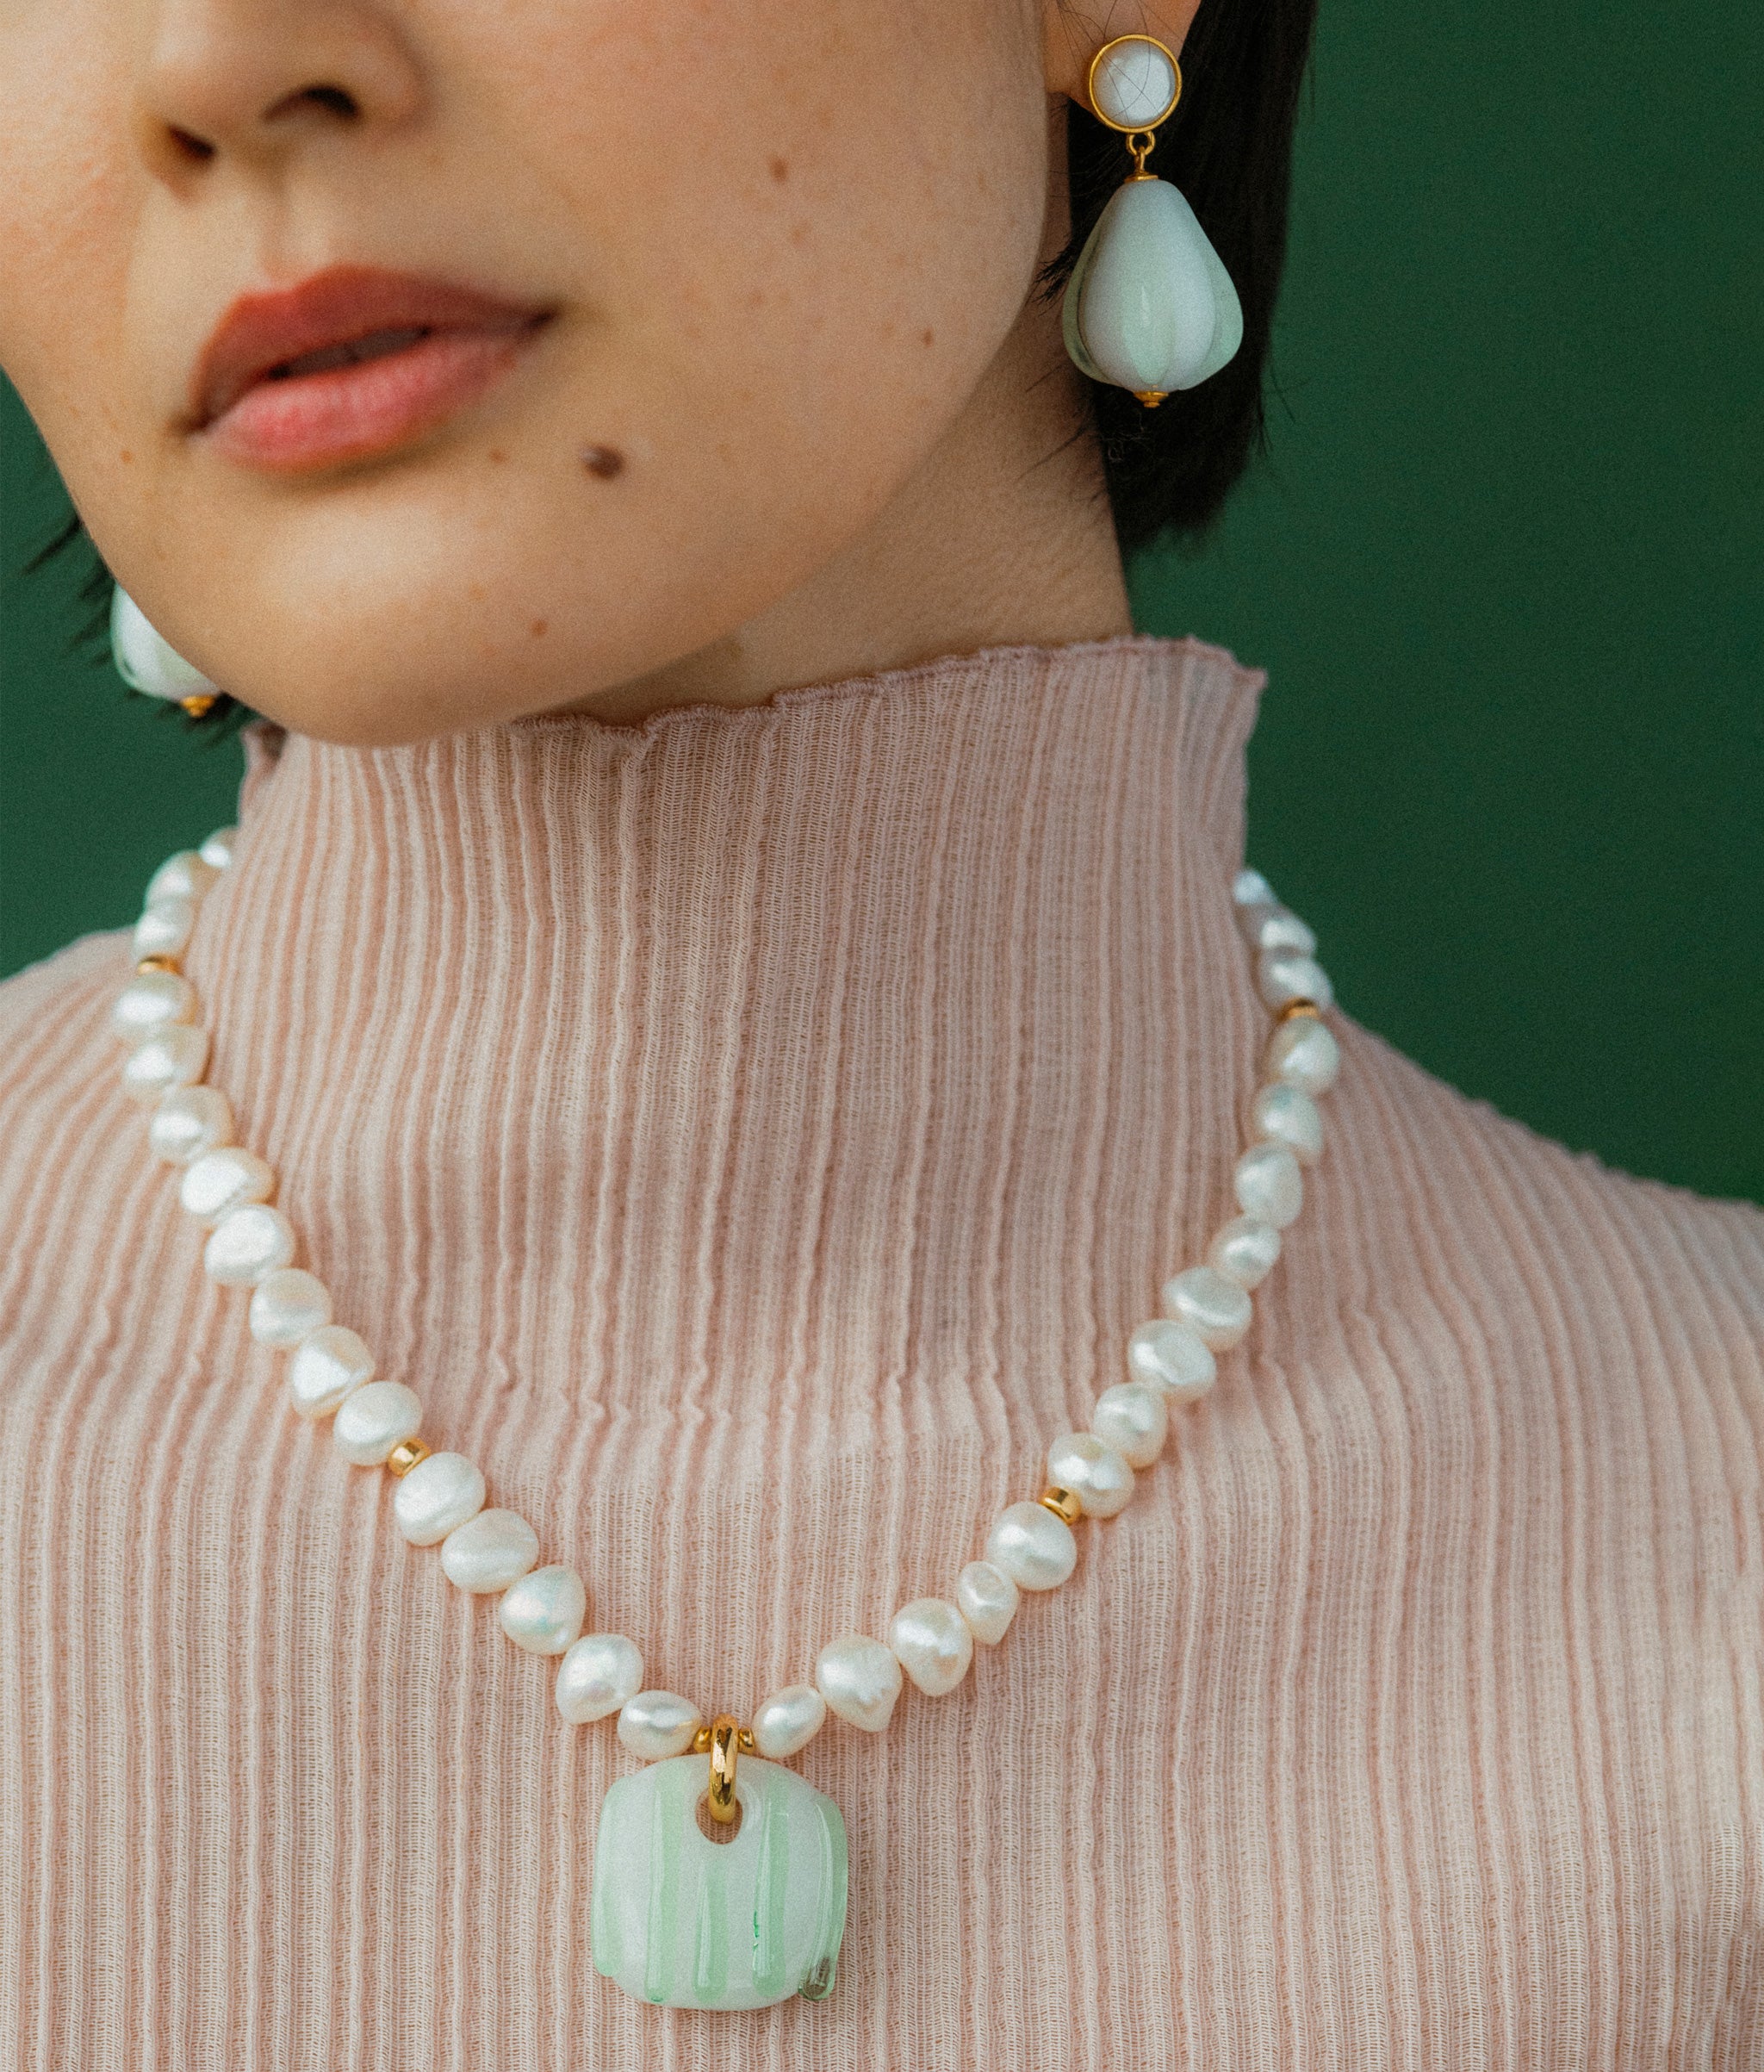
column 1073, row 33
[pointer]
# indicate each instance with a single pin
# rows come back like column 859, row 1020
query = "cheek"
column 810, row 240
column 786, row 296
column 66, row 193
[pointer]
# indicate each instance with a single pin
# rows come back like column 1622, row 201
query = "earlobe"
column 1071, row 35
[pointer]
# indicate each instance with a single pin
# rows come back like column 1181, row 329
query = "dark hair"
column 1228, row 148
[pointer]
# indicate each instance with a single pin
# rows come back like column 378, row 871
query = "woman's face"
column 747, row 261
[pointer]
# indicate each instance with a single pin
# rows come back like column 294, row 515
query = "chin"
column 417, row 653
column 368, row 684
column 386, row 700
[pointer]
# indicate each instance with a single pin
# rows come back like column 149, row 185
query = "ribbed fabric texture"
column 755, row 1135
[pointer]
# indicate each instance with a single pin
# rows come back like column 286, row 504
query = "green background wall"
column 1503, row 563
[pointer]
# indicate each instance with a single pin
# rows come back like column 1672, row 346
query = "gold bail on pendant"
column 726, row 1739
column 725, row 1751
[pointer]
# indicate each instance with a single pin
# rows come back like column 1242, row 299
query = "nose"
column 250, row 80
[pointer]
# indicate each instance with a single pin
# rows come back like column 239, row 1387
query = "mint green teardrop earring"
column 147, row 662
column 1149, row 306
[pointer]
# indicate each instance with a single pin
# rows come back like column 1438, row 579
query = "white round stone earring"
column 147, row 662
column 1149, row 306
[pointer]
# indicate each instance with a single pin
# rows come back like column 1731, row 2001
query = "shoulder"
column 58, row 1067
column 53, row 1016
column 1541, row 1357
column 1534, row 1251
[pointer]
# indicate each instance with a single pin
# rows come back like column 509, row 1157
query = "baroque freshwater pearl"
column 1214, row 1308
column 1134, row 1418
column 217, row 851
column 1149, row 306
column 327, row 1365
column 1253, row 899
column 1269, row 1185
column 544, row 1612
column 152, row 1000
column 1304, row 1054
column 598, row 1675
column 164, row 928
column 489, row 1551
column 1284, row 1115
column 1282, row 976
column 788, row 1721
column 372, row 1419
column 183, row 875
column 859, row 1679
column 933, row 1643
column 1093, row 1470
column 438, row 1496
column 1168, row 1354
column 246, row 1244
column 223, row 1180
column 178, row 1056
column 1246, row 1251
column 988, row 1601
column 287, row 1307
column 1035, row 1548
column 1276, row 928
column 658, row 1723
column 189, row 1123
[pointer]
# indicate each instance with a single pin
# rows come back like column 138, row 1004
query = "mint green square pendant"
column 686, row 1922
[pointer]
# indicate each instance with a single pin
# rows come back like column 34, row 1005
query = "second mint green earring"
column 147, row 662
column 1150, row 307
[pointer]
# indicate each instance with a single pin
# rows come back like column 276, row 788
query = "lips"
column 351, row 362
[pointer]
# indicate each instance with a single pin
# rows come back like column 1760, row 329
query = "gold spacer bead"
column 744, row 1740
column 1062, row 1502
column 147, row 964
column 405, row 1456
column 1294, row 1008
column 198, row 703
column 1150, row 397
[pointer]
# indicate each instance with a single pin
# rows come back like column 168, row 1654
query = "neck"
column 836, row 1044
column 1002, row 536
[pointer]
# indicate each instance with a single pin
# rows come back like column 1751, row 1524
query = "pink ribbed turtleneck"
column 755, row 1134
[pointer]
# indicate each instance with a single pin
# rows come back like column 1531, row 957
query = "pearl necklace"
column 676, row 1919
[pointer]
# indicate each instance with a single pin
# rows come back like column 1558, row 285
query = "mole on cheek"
column 496, row 454
column 780, row 169
column 603, row 461
column 540, row 627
